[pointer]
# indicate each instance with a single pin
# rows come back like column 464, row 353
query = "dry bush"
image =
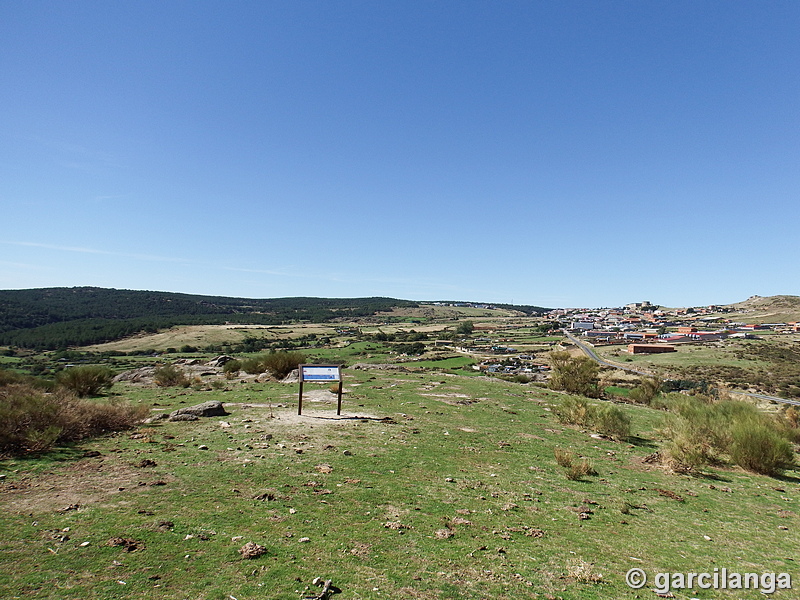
column 32, row 420
column 575, row 467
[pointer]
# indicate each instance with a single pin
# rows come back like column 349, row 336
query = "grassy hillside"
column 769, row 309
column 428, row 486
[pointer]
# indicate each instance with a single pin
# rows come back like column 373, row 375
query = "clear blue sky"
column 579, row 154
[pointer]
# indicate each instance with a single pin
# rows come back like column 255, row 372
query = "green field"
column 431, row 486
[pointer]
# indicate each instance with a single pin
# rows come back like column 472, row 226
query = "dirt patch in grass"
column 71, row 487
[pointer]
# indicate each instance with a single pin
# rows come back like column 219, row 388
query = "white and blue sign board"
column 320, row 374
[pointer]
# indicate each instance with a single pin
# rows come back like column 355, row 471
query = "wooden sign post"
column 320, row 373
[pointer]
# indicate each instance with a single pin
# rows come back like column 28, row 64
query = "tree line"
column 54, row 318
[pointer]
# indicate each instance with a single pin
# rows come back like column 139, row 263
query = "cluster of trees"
column 53, row 318
column 400, row 336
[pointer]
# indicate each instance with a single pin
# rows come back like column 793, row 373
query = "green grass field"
column 430, row 486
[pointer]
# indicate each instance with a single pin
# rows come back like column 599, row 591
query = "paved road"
column 591, row 354
column 588, row 351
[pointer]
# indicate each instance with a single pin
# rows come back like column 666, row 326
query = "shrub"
column 279, row 364
column 702, row 431
column 646, row 391
column 577, row 375
column 232, row 366
column 574, row 411
column 612, row 421
column 609, row 420
column 575, row 467
column 253, row 366
column 170, row 376
column 87, row 380
column 760, row 448
column 32, row 420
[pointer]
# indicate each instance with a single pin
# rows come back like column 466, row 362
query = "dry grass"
column 33, row 421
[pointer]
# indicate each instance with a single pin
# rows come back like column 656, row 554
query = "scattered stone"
column 443, row 534
column 396, row 525
column 202, row 447
column 183, row 417
column 267, row 495
column 304, row 540
column 219, row 361
column 212, row 408
column 252, row 550
column 130, row 545
column 670, row 494
column 652, row 459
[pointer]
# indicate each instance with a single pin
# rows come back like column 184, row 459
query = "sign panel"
column 319, row 373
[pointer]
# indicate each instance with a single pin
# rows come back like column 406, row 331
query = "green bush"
column 279, row 364
column 758, row 447
column 231, row 368
column 609, row 420
column 170, row 376
column 703, row 432
column 612, row 421
column 577, row 375
column 646, row 391
column 87, row 380
column 574, row 411
column 253, row 366
column 32, row 420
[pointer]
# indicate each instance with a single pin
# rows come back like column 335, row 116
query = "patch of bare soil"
column 71, row 487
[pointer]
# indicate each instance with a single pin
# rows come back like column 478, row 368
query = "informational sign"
column 320, row 374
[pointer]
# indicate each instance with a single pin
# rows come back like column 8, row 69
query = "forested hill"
column 52, row 318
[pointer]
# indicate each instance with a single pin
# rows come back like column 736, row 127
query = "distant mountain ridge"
column 51, row 318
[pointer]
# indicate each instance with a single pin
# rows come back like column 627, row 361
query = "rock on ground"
column 206, row 409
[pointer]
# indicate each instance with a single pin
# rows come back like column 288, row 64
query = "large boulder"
column 206, row 409
column 220, row 361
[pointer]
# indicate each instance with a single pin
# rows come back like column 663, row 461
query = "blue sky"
column 579, row 154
